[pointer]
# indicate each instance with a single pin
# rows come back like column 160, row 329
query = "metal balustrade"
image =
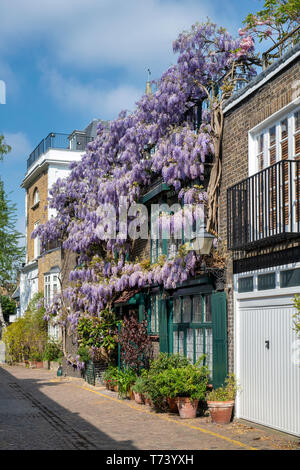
column 56, row 140
column 264, row 208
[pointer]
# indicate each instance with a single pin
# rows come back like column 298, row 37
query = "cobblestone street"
column 40, row 411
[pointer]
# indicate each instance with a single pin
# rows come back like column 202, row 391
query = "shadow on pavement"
column 30, row 420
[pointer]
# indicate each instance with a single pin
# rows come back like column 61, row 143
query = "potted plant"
column 158, row 383
column 36, row 360
column 183, row 385
column 139, row 389
column 110, row 377
column 189, row 387
column 220, row 401
column 126, row 378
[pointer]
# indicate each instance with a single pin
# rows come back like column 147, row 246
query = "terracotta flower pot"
column 187, row 407
column 148, row 401
column 39, row 364
column 172, row 402
column 220, row 411
column 115, row 388
column 139, row 398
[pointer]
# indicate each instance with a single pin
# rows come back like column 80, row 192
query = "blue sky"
column 66, row 62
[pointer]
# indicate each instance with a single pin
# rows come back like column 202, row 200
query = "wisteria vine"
column 157, row 140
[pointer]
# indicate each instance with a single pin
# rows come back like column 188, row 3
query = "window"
column 153, row 321
column 192, row 328
column 266, row 281
column 280, row 141
column 290, row 278
column 36, row 197
column 168, row 242
column 245, row 284
column 51, row 286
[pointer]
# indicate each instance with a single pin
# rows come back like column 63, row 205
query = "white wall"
column 28, row 287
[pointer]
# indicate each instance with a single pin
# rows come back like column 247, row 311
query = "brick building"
column 49, row 161
column 259, row 219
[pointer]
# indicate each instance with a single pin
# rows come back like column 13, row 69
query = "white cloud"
column 90, row 99
column 133, row 34
column 20, row 146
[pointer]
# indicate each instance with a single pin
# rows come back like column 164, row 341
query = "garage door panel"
column 269, row 378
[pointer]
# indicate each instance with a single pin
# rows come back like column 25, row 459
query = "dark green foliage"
column 53, row 350
column 8, row 306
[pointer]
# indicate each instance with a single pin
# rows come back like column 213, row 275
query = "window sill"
column 35, row 206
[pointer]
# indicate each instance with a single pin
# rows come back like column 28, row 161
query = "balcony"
column 264, row 208
column 54, row 140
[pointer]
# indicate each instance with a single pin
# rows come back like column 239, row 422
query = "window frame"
column 263, row 129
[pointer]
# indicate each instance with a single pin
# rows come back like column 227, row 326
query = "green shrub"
column 27, row 336
column 226, row 393
column 84, row 354
column 111, row 374
column 140, row 385
column 189, row 381
column 126, row 378
column 167, row 361
column 53, row 350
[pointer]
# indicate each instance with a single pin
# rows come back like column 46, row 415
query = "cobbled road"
column 39, row 412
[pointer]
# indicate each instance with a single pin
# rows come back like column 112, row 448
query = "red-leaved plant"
column 136, row 349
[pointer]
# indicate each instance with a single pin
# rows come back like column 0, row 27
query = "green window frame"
column 192, row 328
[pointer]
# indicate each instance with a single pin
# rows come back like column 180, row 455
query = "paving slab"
column 41, row 411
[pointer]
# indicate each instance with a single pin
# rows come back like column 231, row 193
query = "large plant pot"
column 139, row 398
column 220, row 411
column 187, row 408
column 39, row 364
column 172, row 402
column 148, row 401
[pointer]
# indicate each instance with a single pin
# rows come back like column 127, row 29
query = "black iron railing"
column 53, row 140
column 281, row 47
column 56, row 140
column 264, row 208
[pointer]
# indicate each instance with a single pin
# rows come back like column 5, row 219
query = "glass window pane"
column 190, row 344
column 297, row 120
column 177, row 311
column 199, row 343
column 272, row 133
column 207, row 308
column 245, row 284
column 266, row 281
column 175, row 342
column 186, row 310
column 284, row 128
column 209, row 349
column 181, row 343
column 197, row 307
column 290, row 278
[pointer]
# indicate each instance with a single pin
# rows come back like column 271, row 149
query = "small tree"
column 277, row 19
column 11, row 253
column 8, row 306
column 136, row 350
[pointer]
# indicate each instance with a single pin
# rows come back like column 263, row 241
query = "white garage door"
column 267, row 362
